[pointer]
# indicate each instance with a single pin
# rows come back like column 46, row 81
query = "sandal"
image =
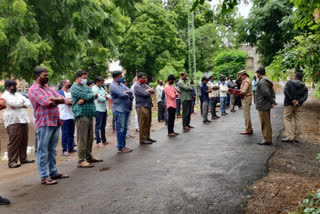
column 48, row 181
column 85, row 164
column 94, row 160
column 59, row 176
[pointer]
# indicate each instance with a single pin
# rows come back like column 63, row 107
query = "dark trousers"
column 192, row 105
column 171, row 118
column 160, row 111
column 186, row 112
column 254, row 96
column 85, row 137
column 18, row 142
column 101, row 122
column 178, row 109
column 201, row 101
column 67, row 129
column 214, row 101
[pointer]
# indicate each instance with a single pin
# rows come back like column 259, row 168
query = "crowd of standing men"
column 75, row 106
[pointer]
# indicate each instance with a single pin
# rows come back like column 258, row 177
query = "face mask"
column 142, row 81
column 100, row 85
column 211, row 80
column 44, row 80
column 13, row 90
column 161, row 83
column 69, row 86
column 83, row 81
column 120, row 80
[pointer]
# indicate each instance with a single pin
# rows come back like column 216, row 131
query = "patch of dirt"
column 293, row 170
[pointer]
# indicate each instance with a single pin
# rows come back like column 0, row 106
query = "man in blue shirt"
column 120, row 108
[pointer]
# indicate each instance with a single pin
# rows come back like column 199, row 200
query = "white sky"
column 243, row 8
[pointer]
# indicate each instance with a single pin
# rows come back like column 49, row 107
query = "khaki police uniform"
column 246, row 101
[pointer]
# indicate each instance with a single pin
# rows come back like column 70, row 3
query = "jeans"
column 166, row 113
column 205, row 107
column 122, row 119
column 67, row 128
column 48, row 138
column 186, row 112
column 101, row 122
column 172, row 115
column 223, row 102
column 178, row 109
column 160, row 111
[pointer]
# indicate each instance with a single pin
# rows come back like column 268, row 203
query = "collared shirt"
column 214, row 93
column 120, row 100
column 185, row 90
column 18, row 114
column 87, row 109
column 65, row 110
column 159, row 90
column 143, row 98
column 246, row 87
column 204, row 93
column 254, row 85
column 101, row 101
column 44, row 115
column 170, row 93
column 223, row 90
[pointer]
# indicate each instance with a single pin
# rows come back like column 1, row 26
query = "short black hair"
column 191, row 82
column 171, row 77
column 116, row 74
column 141, row 74
column 38, row 71
column 9, row 83
column 182, row 74
column 299, row 76
column 210, row 77
column 261, row 71
column 203, row 79
column 80, row 73
column 98, row 79
column 222, row 78
column 90, row 83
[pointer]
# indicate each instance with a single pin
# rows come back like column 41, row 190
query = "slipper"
column 85, row 164
column 94, row 160
column 48, row 181
column 59, row 176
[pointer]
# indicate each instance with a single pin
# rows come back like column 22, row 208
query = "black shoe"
column 27, row 161
column 263, row 143
column 72, row 151
column 153, row 141
column 4, row 201
column 286, row 140
column 14, row 165
column 146, row 142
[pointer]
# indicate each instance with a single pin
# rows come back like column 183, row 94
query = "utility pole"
column 191, row 41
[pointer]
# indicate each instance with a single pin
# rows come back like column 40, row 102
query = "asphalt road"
column 207, row 170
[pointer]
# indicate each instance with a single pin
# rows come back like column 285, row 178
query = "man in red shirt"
column 45, row 103
column 171, row 94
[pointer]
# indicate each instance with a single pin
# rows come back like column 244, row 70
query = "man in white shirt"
column 160, row 102
column 67, row 117
column 16, row 121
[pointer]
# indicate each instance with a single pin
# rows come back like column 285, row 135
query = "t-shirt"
column 65, row 110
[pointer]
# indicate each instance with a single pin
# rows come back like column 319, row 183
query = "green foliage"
column 229, row 63
column 227, row 5
column 166, row 71
column 2, row 89
column 303, row 54
column 269, row 27
column 152, row 42
column 63, row 35
column 310, row 204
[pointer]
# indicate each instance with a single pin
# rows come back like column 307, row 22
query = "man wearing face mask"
column 186, row 99
column 143, row 92
column 67, row 117
column 101, row 112
column 121, row 100
column 84, row 110
column 16, row 121
column 45, row 103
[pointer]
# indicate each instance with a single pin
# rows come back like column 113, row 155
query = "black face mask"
column 13, row 90
column 69, row 86
column 44, row 80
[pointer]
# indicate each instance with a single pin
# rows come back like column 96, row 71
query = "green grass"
column 316, row 94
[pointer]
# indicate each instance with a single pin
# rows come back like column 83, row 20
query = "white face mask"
column 83, row 82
